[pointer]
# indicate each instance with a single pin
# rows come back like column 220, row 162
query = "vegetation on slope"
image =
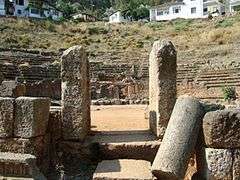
column 187, row 35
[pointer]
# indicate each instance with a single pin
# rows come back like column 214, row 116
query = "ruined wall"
column 218, row 154
column 23, row 127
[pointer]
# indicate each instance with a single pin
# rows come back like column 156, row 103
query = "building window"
column 19, row 11
column 193, row 10
column 166, row 12
column 159, row 13
column 35, row 11
column 20, row 2
column 55, row 12
column 205, row 10
column 176, row 10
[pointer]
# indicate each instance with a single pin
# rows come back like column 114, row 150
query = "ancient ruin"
column 75, row 94
column 45, row 124
column 162, row 85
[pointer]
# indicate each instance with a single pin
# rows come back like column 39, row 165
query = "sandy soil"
column 119, row 118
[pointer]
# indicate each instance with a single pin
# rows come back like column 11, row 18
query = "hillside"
column 209, row 40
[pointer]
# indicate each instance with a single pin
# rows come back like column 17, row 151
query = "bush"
column 50, row 26
column 225, row 23
column 97, row 30
column 182, row 25
column 229, row 93
column 140, row 44
column 155, row 25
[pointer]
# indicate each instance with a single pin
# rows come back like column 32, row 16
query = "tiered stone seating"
column 33, row 57
column 219, row 78
column 9, row 71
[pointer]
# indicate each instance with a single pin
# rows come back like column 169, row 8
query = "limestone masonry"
column 45, row 124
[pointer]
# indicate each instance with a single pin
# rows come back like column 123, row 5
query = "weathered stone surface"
column 162, row 85
column 75, row 94
column 31, row 117
column 16, row 145
column 178, row 143
column 12, row 89
column 236, row 164
column 221, row 129
column 55, row 123
column 1, row 78
column 215, row 164
column 6, row 117
column 20, row 165
column 35, row 146
column 123, row 169
column 142, row 146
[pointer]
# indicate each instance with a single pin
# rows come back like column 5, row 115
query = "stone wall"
column 23, row 127
column 218, row 155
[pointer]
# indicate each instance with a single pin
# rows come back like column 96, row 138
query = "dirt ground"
column 125, row 118
column 119, row 118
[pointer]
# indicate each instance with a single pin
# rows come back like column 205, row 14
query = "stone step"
column 218, row 78
column 19, row 165
column 123, row 169
column 222, row 85
column 126, row 145
column 223, row 82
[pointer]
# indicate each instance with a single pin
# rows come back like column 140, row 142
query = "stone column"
column 162, row 85
column 178, row 143
column 75, row 94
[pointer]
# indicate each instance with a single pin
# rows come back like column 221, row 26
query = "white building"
column 186, row 9
column 117, row 17
column 2, row 7
column 22, row 8
column 234, row 5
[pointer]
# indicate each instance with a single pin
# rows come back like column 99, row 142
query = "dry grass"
column 187, row 35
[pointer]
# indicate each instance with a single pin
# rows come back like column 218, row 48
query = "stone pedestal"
column 179, row 140
column 162, row 85
column 75, row 94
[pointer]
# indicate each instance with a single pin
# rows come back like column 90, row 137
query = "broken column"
column 180, row 138
column 75, row 94
column 162, row 85
column 6, row 117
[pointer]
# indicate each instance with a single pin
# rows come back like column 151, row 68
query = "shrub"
column 181, row 25
column 155, row 25
column 97, row 30
column 229, row 93
column 50, row 26
column 224, row 23
column 140, row 44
